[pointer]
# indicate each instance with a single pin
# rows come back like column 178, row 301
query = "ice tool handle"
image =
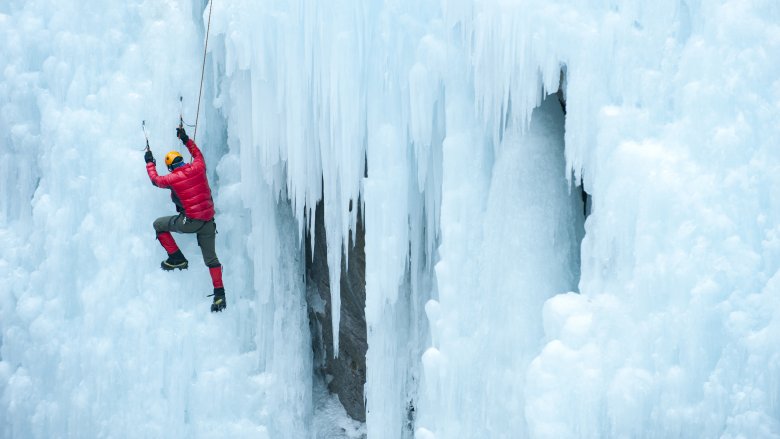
column 181, row 117
column 146, row 136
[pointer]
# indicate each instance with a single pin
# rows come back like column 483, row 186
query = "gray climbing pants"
column 206, row 234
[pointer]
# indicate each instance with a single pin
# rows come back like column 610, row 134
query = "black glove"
column 149, row 157
column 182, row 135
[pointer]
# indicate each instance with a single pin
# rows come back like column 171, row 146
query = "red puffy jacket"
column 190, row 185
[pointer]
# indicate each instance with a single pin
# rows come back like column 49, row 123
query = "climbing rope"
column 203, row 70
column 200, row 89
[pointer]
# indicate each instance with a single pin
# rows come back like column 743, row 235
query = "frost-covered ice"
column 331, row 421
column 486, row 317
column 96, row 340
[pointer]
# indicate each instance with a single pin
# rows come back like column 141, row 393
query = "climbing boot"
column 219, row 300
column 175, row 260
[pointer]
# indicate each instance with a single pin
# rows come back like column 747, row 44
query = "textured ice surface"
column 471, row 232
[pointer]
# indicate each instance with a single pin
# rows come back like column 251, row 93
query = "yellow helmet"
column 171, row 157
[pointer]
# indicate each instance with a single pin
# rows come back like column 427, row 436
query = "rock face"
column 345, row 375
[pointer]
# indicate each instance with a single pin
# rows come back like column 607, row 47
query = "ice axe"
column 146, row 136
column 181, row 116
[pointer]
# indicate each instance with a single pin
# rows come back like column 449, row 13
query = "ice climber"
column 191, row 194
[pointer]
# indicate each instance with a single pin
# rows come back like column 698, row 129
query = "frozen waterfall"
column 452, row 219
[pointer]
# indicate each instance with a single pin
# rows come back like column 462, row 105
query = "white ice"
column 486, row 317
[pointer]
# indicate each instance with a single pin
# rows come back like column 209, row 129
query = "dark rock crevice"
column 578, row 186
column 345, row 375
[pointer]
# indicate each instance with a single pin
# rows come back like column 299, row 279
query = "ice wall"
column 522, row 236
column 96, row 341
column 669, row 126
column 328, row 88
column 672, row 334
column 671, row 121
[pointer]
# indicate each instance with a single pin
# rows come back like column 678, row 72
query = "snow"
column 494, row 307
column 331, row 420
